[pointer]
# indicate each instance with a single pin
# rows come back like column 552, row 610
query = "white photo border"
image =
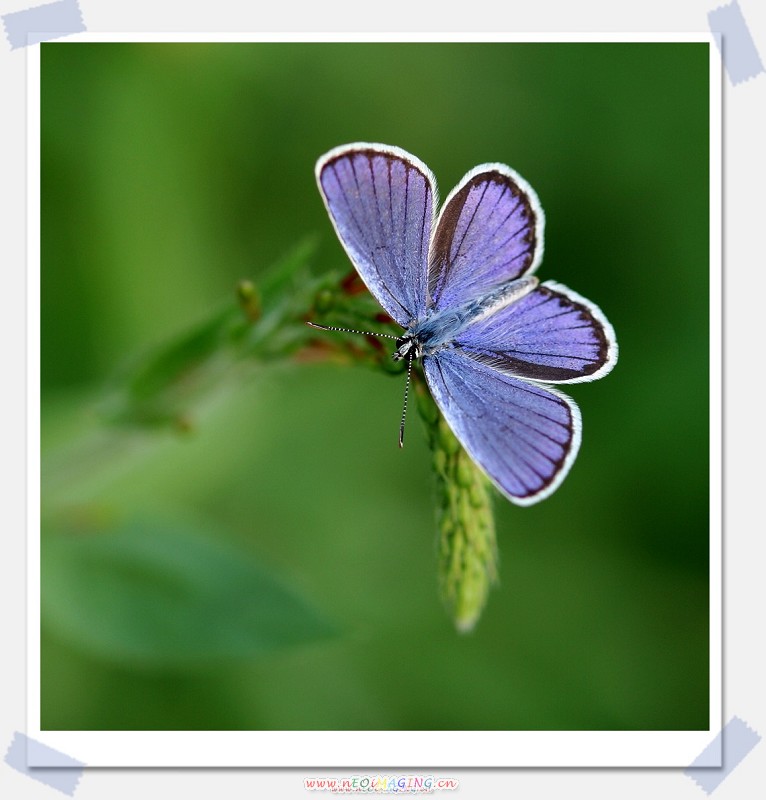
column 367, row 748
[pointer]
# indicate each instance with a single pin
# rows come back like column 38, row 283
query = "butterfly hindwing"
column 523, row 435
column 551, row 334
column 489, row 232
column 382, row 202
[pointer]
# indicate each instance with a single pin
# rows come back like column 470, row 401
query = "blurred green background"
column 273, row 567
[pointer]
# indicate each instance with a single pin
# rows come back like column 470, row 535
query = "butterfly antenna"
column 349, row 330
column 406, row 394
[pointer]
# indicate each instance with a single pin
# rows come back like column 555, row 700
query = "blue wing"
column 381, row 201
column 523, row 435
column 489, row 232
column 551, row 334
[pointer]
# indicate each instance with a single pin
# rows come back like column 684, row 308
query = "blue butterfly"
column 491, row 336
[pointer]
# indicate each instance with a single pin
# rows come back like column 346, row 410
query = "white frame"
column 403, row 749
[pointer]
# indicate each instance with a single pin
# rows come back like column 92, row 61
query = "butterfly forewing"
column 490, row 231
column 382, row 202
column 523, row 435
column 551, row 334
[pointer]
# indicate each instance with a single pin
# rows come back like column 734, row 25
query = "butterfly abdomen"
column 443, row 326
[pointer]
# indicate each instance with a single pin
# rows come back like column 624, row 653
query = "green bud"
column 324, row 301
column 440, row 462
column 465, row 475
column 249, row 299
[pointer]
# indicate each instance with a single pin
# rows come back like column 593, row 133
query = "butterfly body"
column 440, row 327
column 491, row 336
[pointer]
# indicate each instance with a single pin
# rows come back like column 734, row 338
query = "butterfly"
column 461, row 283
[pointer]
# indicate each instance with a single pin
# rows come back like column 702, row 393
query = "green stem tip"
column 467, row 548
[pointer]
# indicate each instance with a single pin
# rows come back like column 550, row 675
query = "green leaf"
column 279, row 278
column 160, row 387
column 160, row 593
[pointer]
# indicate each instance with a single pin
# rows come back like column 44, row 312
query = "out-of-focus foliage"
column 187, row 409
column 159, row 593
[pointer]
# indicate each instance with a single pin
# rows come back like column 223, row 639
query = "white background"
column 744, row 263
